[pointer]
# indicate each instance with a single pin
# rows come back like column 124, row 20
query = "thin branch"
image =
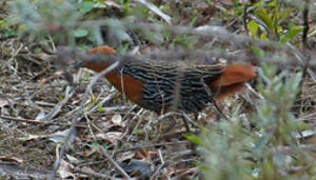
column 77, row 116
column 68, row 94
column 91, row 173
column 306, row 24
column 28, row 120
column 114, row 163
column 245, row 17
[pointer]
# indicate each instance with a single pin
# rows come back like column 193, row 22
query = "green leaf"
column 80, row 33
column 257, row 51
column 193, row 138
column 290, row 34
column 86, row 6
column 237, row 8
column 100, row 108
column 253, row 28
column 185, row 40
column 263, row 15
column 3, row 23
column 264, row 36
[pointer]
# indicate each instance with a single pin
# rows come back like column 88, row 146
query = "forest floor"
column 39, row 105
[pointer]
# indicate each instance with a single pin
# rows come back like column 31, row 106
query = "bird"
column 162, row 86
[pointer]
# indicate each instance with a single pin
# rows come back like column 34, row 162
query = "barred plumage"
column 162, row 86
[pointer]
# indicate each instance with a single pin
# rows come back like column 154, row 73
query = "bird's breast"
column 127, row 84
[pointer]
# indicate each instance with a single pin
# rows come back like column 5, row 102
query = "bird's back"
column 163, row 86
column 169, row 86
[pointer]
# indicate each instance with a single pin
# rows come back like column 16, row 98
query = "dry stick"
column 28, row 120
column 213, row 101
column 103, row 151
column 136, row 126
column 306, row 25
column 312, row 75
column 114, row 163
column 187, row 118
column 160, row 167
column 136, row 147
column 179, row 154
column 157, row 170
column 183, row 115
column 162, row 117
column 307, row 58
column 76, row 119
column 166, row 115
column 245, row 17
column 91, row 173
column 291, row 150
column 58, row 107
column 156, row 10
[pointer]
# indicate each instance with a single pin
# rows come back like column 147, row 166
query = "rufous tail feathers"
column 232, row 80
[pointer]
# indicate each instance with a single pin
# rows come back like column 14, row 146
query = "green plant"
column 54, row 18
column 274, row 22
column 268, row 151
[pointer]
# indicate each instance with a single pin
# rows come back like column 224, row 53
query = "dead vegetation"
column 59, row 120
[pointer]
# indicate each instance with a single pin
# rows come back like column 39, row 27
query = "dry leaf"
column 31, row 137
column 59, row 136
column 65, row 169
column 112, row 4
column 117, row 120
column 72, row 159
column 110, row 137
column 125, row 156
column 3, row 102
column 90, row 152
column 40, row 115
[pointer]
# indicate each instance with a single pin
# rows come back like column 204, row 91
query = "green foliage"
column 237, row 8
column 274, row 22
column 6, row 30
column 53, row 18
column 185, row 41
column 65, row 22
column 100, row 109
column 80, row 33
column 194, row 139
column 232, row 151
column 224, row 152
column 292, row 32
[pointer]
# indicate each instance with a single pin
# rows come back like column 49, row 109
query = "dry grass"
column 38, row 106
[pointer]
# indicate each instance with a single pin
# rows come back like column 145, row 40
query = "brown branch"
column 28, row 120
column 91, row 173
column 306, row 24
column 62, row 55
column 245, row 17
column 58, row 107
column 114, row 163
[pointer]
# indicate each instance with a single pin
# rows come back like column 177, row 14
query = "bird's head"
column 99, row 62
